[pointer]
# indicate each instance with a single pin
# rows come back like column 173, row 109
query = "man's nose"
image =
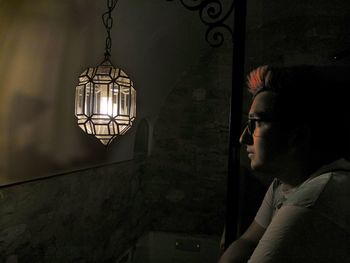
column 246, row 138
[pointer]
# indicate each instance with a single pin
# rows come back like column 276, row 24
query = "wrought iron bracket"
column 213, row 13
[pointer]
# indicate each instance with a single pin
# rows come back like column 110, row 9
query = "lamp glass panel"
column 124, row 100
column 79, row 99
column 102, row 103
column 101, row 129
column 133, row 103
column 114, row 91
column 88, row 99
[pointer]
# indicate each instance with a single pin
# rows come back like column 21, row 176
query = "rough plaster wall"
column 187, row 170
column 299, row 32
column 86, row 216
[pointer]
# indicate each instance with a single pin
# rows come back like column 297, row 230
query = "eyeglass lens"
column 251, row 126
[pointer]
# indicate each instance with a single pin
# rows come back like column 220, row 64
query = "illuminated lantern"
column 105, row 102
column 105, row 99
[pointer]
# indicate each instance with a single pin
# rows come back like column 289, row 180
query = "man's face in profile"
column 265, row 142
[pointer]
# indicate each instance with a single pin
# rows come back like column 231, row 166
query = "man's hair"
column 259, row 79
column 309, row 96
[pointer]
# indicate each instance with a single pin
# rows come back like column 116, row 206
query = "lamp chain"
column 108, row 23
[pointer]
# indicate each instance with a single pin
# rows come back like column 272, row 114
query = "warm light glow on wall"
column 105, row 102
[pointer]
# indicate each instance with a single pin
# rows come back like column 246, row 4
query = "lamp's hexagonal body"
column 105, row 102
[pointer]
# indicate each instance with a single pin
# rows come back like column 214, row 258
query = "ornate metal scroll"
column 212, row 14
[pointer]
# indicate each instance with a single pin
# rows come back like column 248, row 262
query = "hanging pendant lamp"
column 105, row 99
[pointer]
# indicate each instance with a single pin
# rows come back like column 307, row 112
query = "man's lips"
column 250, row 153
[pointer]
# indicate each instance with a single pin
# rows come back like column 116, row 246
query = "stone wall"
column 91, row 215
column 186, row 173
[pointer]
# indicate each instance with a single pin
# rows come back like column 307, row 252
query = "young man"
column 297, row 132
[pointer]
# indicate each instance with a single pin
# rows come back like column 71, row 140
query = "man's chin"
column 254, row 166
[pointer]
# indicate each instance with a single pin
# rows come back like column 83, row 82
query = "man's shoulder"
column 333, row 202
column 328, row 194
column 324, row 183
column 299, row 234
column 308, row 193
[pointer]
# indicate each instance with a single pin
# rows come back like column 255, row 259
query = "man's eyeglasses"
column 253, row 124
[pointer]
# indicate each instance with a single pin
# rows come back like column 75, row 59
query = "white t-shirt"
column 311, row 221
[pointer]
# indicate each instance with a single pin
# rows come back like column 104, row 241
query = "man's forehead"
column 261, row 114
column 264, row 105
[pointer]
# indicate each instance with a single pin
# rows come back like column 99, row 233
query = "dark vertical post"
column 233, row 178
